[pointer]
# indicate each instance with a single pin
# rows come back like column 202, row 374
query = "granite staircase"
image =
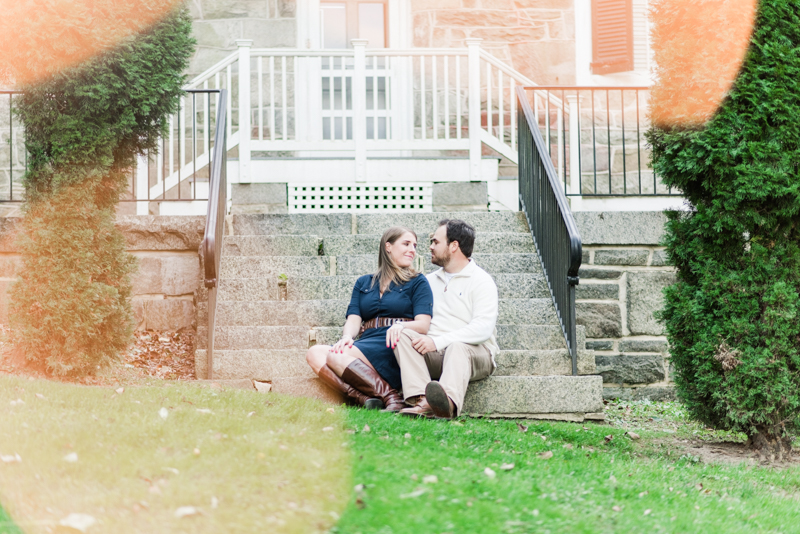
column 286, row 281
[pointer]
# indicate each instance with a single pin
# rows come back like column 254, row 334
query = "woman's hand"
column 393, row 335
column 345, row 343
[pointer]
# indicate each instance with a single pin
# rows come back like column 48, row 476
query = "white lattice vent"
column 361, row 198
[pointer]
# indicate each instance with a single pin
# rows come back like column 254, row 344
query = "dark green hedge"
column 84, row 126
column 733, row 317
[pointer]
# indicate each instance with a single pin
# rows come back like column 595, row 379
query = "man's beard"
column 441, row 261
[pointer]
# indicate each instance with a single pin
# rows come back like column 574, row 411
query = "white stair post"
column 574, row 179
column 244, row 109
column 360, row 108
column 474, row 48
column 142, row 185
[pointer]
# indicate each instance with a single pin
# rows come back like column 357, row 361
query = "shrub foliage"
column 84, row 126
column 733, row 316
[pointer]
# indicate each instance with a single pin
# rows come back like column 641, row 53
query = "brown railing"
column 215, row 221
column 552, row 226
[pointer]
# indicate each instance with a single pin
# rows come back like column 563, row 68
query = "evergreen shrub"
column 70, row 309
column 733, row 317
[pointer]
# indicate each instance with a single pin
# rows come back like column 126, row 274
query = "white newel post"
column 474, row 48
column 360, row 108
column 244, row 109
column 574, row 180
column 142, row 185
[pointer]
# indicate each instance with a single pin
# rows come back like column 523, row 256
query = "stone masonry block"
column 600, row 320
column 621, row 257
column 644, row 298
column 653, row 393
column 623, row 369
column 660, row 258
column 460, row 196
column 270, row 33
column 168, row 314
column 597, row 291
column 234, row 9
column 599, row 345
column 148, row 232
column 217, row 33
column 173, row 275
column 621, row 227
column 258, row 194
column 599, row 274
column 643, row 345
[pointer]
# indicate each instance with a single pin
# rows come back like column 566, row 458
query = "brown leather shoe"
column 422, row 409
column 440, row 403
column 364, row 378
column 356, row 397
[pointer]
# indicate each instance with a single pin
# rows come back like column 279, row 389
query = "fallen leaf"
column 544, row 438
column 79, row 522
column 39, row 396
column 612, row 479
column 633, row 435
column 608, row 438
column 17, row 402
column 507, row 467
column 457, row 423
column 430, row 479
column 186, row 511
column 568, row 446
column 413, row 494
column 214, row 502
column 366, row 428
column 546, row 455
column 120, row 391
column 330, row 410
column 360, row 504
column 358, row 488
column 171, row 470
column 196, row 452
column 251, row 414
column 642, row 494
column 407, row 435
column 71, row 457
column 414, row 477
column 327, row 429
column 202, row 410
column 155, row 490
column 616, row 508
column 522, row 428
column 647, row 512
column 163, row 413
column 262, row 387
column 489, row 472
column 9, row 458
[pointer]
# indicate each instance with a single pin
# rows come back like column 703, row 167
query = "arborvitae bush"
column 70, row 309
column 733, row 317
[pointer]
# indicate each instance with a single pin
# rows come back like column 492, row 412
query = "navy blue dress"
column 399, row 301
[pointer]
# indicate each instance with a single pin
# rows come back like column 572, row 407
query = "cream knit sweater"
column 465, row 309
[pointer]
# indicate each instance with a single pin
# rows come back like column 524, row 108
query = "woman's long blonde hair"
column 388, row 271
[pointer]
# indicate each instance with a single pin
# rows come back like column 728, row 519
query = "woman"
column 384, row 303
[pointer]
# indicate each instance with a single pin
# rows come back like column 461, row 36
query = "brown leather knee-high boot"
column 364, row 378
column 329, row 377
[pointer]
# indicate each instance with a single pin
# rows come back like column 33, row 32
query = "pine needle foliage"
column 733, row 317
column 70, row 309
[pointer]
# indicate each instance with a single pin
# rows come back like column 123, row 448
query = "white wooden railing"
column 352, row 103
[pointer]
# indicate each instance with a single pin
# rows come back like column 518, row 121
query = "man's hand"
column 423, row 344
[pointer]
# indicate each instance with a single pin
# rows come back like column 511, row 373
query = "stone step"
column 532, row 396
column 233, row 267
column 332, row 312
column 342, row 224
column 509, row 337
column 269, row 365
column 509, row 285
column 347, row 245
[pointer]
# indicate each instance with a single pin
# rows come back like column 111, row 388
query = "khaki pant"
column 454, row 367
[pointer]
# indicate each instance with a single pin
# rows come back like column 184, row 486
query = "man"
column 460, row 345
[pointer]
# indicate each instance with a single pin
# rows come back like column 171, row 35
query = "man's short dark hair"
column 461, row 231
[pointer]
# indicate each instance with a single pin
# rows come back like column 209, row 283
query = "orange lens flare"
column 699, row 46
column 39, row 38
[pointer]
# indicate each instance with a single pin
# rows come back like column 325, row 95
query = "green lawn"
column 588, row 485
column 276, row 464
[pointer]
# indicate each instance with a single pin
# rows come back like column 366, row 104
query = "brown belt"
column 379, row 322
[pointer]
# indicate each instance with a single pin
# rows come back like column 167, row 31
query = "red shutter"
column 612, row 36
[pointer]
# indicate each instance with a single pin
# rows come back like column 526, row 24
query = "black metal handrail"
column 553, row 228
column 215, row 220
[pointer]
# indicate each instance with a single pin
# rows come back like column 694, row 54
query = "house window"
column 612, row 36
column 352, row 19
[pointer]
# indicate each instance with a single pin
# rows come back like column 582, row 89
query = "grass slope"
column 262, row 462
column 589, row 485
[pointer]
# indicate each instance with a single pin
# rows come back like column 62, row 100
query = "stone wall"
column 536, row 37
column 622, row 275
column 218, row 23
column 169, row 268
